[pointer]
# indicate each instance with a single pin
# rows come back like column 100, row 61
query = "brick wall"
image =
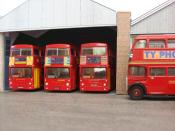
column 123, row 43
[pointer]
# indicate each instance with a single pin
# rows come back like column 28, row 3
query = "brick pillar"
column 2, row 70
column 123, row 43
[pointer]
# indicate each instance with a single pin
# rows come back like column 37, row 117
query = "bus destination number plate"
column 93, row 60
column 56, row 60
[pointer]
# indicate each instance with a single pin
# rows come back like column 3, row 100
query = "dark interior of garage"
column 76, row 36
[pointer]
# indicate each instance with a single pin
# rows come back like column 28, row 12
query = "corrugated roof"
column 55, row 14
column 151, row 12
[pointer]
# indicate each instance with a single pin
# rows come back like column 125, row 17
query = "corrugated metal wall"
column 52, row 14
column 160, row 22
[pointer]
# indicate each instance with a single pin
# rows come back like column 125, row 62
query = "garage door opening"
column 76, row 36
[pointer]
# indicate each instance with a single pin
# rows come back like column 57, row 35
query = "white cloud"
column 8, row 5
column 137, row 7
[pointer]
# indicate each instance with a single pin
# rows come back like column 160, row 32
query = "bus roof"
column 163, row 36
column 93, row 44
column 23, row 46
column 57, row 45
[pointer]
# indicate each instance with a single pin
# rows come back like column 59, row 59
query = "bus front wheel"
column 136, row 93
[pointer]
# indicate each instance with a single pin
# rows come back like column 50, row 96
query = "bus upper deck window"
column 15, row 52
column 137, row 71
column 157, row 44
column 51, row 52
column 26, row 52
column 87, row 51
column 140, row 44
column 171, row 43
column 99, row 51
column 63, row 52
column 94, row 51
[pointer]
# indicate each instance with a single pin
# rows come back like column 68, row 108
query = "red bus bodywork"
column 95, row 68
column 60, row 69
column 25, row 67
column 152, row 66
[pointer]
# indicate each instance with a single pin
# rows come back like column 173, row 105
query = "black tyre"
column 136, row 93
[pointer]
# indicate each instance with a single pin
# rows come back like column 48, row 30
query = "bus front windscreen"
column 57, row 52
column 94, row 73
column 21, row 72
column 21, row 52
column 59, row 73
column 94, row 51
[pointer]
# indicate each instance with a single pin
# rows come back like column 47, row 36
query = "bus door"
column 156, row 82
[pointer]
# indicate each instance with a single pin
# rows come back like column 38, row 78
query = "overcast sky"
column 137, row 7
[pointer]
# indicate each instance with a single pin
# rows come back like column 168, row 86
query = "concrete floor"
column 40, row 111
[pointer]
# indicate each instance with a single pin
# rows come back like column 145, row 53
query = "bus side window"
column 36, row 52
column 73, row 52
column 109, row 53
column 137, row 71
column 171, row 43
column 140, row 44
column 42, row 53
column 157, row 71
column 171, row 71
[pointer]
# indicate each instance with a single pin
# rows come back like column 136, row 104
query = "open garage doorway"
column 75, row 36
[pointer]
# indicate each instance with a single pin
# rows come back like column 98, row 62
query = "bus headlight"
column 67, row 84
column 10, row 83
column 104, row 84
column 130, row 55
column 82, row 84
column 46, row 84
column 30, row 83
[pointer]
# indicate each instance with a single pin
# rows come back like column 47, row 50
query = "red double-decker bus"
column 95, row 67
column 60, row 67
column 25, row 67
column 152, row 66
